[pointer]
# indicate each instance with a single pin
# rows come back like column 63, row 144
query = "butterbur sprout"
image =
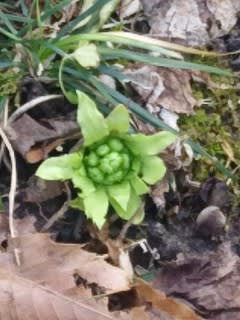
column 112, row 167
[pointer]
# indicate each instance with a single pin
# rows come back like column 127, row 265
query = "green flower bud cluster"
column 108, row 163
column 112, row 167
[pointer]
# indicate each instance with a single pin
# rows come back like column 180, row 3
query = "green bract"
column 113, row 166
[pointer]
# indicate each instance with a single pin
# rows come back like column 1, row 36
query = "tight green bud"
column 92, row 159
column 105, row 166
column 125, row 161
column 108, row 163
column 118, row 176
column 115, row 144
column 114, row 159
column 102, row 150
column 96, row 174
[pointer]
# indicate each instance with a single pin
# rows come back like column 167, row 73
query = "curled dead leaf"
column 25, row 134
column 174, row 308
column 161, row 87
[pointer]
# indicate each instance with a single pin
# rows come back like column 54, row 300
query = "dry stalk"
column 12, row 191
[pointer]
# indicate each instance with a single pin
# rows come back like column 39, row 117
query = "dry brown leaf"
column 142, row 313
column 211, row 281
column 22, row 299
column 43, row 287
column 234, row 315
column 193, row 22
column 39, row 190
column 157, row 192
column 174, row 308
column 37, row 154
column 53, row 264
column 25, row 225
column 25, row 133
column 161, row 87
column 178, row 156
column 22, row 226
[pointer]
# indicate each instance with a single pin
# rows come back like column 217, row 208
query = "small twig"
column 12, row 191
column 5, row 113
column 31, row 104
column 128, row 224
column 60, row 212
column 4, row 123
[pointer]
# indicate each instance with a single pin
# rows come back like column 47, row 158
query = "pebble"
column 210, row 222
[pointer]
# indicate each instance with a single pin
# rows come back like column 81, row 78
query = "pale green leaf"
column 133, row 205
column 120, row 193
column 87, row 55
column 83, row 183
column 118, row 120
column 139, row 185
column 93, row 125
column 150, row 145
column 96, row 206
column 77, row 203
column 139, row 216
column 136, row 164
column 57, row 168
column 76, row 159
column 106, row 12
column 153, row 169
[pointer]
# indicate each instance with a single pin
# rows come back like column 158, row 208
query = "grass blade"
column 112, row 54
column 130, row 37
column 105, row 36
column 7, row 23
column 13, row 17
column 53, row 48
column 9, row 35
column 113, row 72
column 6, row 5
column 24, row 8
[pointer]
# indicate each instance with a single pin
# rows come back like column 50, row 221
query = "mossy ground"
column 215, row 125
column 9, row 82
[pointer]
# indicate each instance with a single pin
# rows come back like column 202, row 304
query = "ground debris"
column 195, row 22
column 160, row 87
column 209, row 281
